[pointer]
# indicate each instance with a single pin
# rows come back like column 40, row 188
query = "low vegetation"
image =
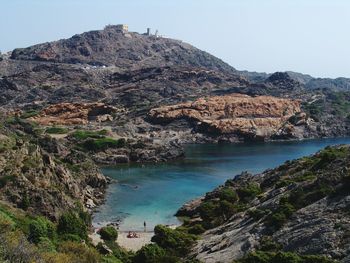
column 56, row 130
column 282, row 257
column 95, row 141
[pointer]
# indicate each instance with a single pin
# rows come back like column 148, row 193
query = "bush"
column 197, row 229
column 249, row 192
column 25, row 202
column 111, row 259
column 41, row 228
column 258, row 213
column 29, row 114
column 56, row 130
column 207, row 210
column 267, row 244
column 108, row 233
column 228, row 194
column 257, row 257
column 282, row 257
column 70, row 237
column 79, row 252
column 102, row 144
column 227, row 209
column 284, row 211
column 286, row 257
column 176, row 241
column 71, row 223
column 151, row 253
column 82, row 135
column 46, row 245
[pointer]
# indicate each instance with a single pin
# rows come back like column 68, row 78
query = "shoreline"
column 131, row 244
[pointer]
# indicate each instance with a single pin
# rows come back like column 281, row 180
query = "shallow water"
column 154, row 192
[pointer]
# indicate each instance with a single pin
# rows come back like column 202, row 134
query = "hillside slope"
column 301, row 207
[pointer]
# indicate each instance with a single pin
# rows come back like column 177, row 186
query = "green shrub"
column 111, row 259
column 317, row 259
column 178, row 242
column 228, row 194
column 286, row 257
column 71, row 223
column 282, row 257
column 41, row 228
column 102, row 144
column 108, row 233
column 207, row 210
column 257, row 257
column 226, row 209
column 197, row 229
column 56, row 130
column 329, row 154
column 280, row 216
column 25, row 202
column 79, row 252
column 46, row 245
column 29, row 114
column 70, row 237
column 150, row 253
column 5, row 179
column 267, row 244
column 249, row 192
column 82, row 135
column 258, row 213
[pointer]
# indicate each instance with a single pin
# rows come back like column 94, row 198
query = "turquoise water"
column 154, row 192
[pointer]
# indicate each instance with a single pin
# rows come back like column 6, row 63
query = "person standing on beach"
column 144, row 225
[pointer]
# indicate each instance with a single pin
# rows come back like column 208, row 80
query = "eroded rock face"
column 74, row 113
column 253, row 117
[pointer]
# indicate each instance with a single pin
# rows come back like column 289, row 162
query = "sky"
column 308, row 36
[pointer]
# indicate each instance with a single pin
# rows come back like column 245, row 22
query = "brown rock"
column 260, row 116
column 74, row 113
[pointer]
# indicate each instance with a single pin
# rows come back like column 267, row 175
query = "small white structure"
column 123, row 28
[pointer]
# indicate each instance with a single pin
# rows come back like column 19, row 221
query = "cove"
column 154, row 192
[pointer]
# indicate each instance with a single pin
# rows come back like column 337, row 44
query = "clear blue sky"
column 309, row 36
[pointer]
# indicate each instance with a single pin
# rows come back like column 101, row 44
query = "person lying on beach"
column 132, row 235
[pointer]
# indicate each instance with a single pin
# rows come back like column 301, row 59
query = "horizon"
column 270, row 39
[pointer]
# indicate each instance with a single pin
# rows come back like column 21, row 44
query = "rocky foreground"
column 300, row 207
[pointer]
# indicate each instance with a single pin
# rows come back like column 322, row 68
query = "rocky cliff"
column 261, row 117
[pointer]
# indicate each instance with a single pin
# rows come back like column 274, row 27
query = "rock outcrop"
column 74, row 113
column 249, row 117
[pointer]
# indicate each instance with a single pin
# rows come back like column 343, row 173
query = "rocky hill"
column 124, row 50
column 136, row 73
column 301, row 207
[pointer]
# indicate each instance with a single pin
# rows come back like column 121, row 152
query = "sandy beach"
column 134, row 244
